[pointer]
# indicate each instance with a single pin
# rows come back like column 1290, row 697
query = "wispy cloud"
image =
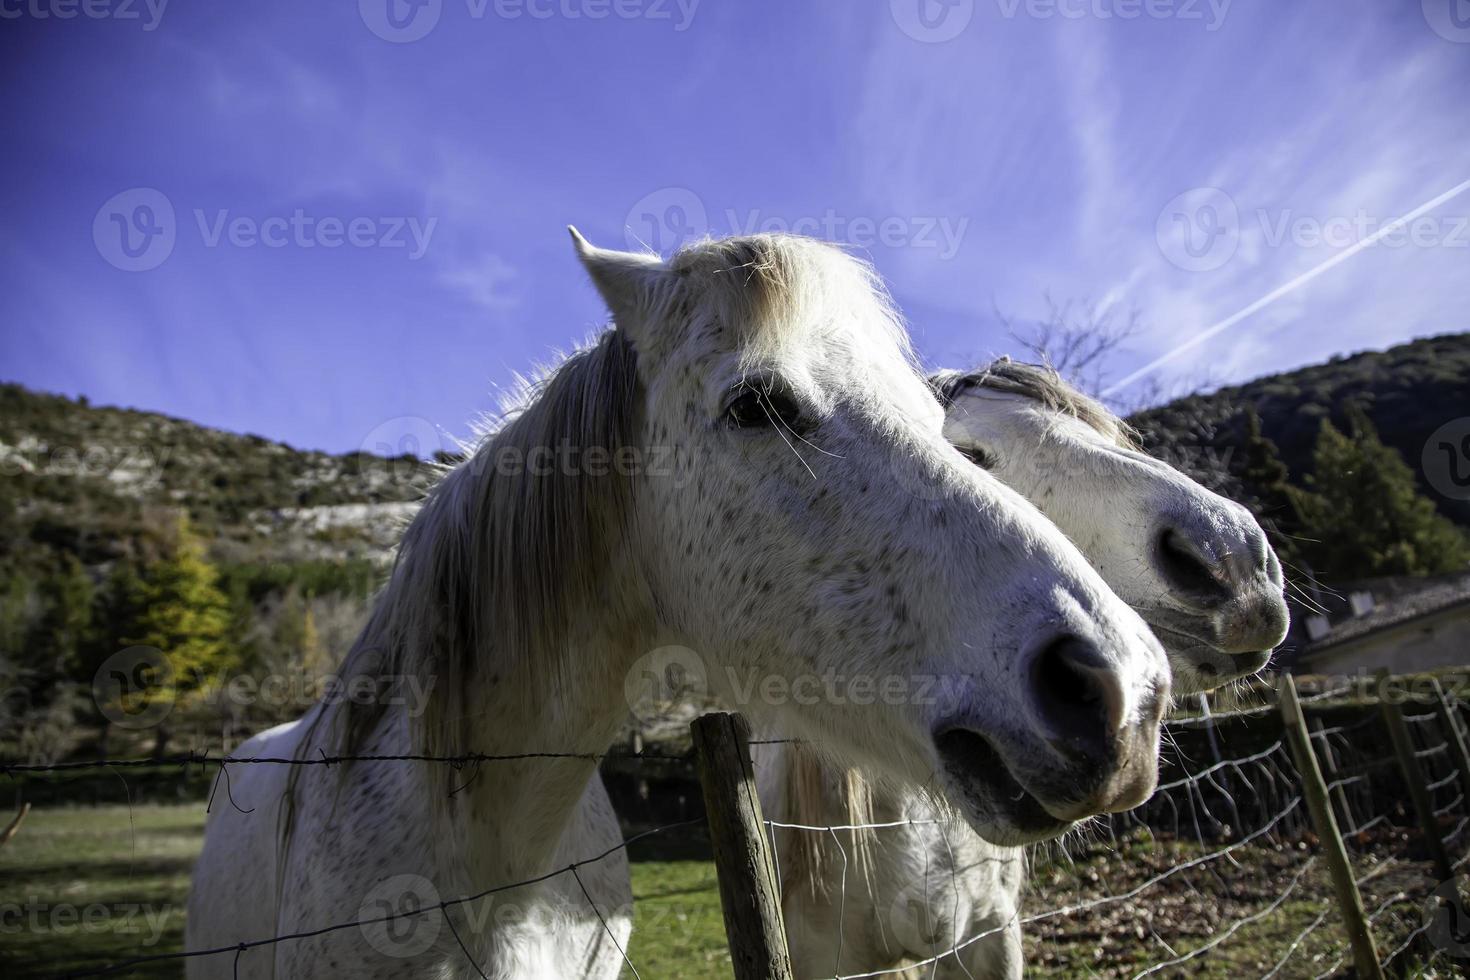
column 487, row 280
column 1055, row 144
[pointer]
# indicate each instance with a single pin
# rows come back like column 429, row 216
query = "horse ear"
column 630, row 283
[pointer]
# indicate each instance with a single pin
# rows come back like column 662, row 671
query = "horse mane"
column 1040, row 383
column 494, row 565
column 807, row 793
column 497, row 560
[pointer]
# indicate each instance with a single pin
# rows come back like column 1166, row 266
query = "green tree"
column 1266, row 477
column 1365, row 514
column 65, row 625
column 176, row 606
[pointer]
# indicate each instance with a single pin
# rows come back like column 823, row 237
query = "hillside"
column 108, row 515
column 1408, row 391
column 82, row 478
column 92, row 480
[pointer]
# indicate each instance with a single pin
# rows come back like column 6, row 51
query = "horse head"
column 947, row 633
column 1195, row 565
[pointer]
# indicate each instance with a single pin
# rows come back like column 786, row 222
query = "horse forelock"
column 499, row 559
column 780, row 290
column 1039, row 383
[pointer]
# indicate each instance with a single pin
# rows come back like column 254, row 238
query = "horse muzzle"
column 1091, row 749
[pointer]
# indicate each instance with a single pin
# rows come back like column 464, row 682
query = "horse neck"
column 492, row 693
column 515, row 593
column 515, row 814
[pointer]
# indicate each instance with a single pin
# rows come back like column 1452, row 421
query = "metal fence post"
column 1349, row 901
column 748, row 891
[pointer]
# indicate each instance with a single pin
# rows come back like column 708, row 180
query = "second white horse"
column 1195, row 565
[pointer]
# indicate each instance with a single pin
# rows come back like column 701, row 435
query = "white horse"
column 700, row 476
column 1195, row 565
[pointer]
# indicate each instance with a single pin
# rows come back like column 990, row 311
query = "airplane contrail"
column 1282, row 290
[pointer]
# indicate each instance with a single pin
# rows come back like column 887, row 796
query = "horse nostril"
column 1187, row 568
column 1079, row 695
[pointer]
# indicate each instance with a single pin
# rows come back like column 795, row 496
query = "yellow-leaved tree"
column 179, row 610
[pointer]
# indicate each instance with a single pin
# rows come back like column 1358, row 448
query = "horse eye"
column 754, row 409
column 978, row 456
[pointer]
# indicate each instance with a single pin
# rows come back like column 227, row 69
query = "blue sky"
column 368, row 202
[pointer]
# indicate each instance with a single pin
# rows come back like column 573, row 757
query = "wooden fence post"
column 1349, row 901
column 1328, row 761
column 748, row 891
column 1413, row 774
column 1459, row 753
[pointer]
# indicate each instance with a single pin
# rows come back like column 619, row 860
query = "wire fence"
column 1225, row 863
column 222, row 766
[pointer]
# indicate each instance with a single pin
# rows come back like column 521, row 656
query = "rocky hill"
column 86, row 479
column 91, row 480
column 1408, row 391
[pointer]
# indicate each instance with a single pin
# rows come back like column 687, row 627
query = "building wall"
column 1438, row 640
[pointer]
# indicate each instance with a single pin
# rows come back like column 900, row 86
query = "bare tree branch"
column 1081, row 341
column 1076, row 338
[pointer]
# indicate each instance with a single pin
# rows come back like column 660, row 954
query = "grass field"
column 80, row 887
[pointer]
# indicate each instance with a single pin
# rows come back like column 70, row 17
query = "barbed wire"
column 245, row 946
column 1234, row 928
column 1296, row 943
column 1081, row 906
column 1210, row 798
column 1257, row 777
column 204, row 759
